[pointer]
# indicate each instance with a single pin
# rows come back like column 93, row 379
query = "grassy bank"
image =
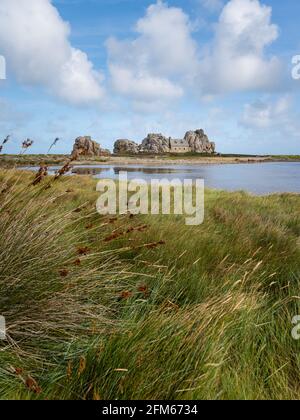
column 146, row 307
column 10, row 161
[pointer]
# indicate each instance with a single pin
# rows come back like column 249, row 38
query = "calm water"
column 260, row 178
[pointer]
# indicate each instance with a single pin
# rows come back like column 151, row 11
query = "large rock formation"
column 123, row 147
column 194, row 141
column 199, row 142
column 155, row 143
column 85, row 146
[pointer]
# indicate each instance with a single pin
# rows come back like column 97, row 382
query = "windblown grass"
column 208, row 316
column 55, row 289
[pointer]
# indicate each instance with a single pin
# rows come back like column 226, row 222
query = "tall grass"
column 219, row 325
column 55, row 289
column 208, row 316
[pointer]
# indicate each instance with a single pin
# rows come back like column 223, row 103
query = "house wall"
column 180, row 149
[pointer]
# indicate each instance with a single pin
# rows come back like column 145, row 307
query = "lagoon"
column 256, row 178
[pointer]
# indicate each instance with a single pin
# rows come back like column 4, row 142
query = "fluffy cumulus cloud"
column 236, row 59
column 158, row 62
column 164, row 60
column 35, row 42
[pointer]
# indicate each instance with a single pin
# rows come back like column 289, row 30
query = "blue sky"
column 122, row 68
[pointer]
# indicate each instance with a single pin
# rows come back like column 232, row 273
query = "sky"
column 120, row 69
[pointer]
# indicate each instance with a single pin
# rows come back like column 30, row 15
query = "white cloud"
column 34, row 41
column 275, row 118
column 162, row 63
column 236, row 59
column 143, row 85
column 266, row 114
column 272, row 125
column 159, row 61
column 165, row 62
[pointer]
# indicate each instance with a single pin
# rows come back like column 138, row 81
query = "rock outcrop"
column 193, row 142
column 85, row 146
column 199, row 142
column 155, row 143
column 123, row 147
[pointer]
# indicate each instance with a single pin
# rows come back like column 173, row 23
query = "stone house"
column 179, row 146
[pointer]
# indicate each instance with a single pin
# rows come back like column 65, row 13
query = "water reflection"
column 151, row 170
column 89, row 170
column 259, row 178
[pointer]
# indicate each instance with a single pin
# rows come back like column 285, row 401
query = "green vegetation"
column 294, row 158
column 30, row 160
column 146, row 307
column 11, row 161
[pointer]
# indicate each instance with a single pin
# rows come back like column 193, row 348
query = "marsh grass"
column 153, row 309
column 52, row 294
